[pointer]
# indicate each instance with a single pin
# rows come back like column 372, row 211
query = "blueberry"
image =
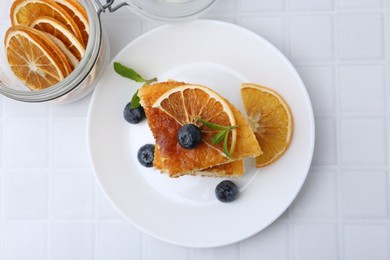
column 189, row 136
column 146, row 155
column 133, row 115
column 226, row 191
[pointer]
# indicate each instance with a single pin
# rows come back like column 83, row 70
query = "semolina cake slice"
column 232, row 169
column 172, row 158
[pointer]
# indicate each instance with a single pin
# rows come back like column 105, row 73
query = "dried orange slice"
column 79, row 15
column 30, row 59
column 62, row 37
column 187, row 103
column 270, row 119
column 24, row 12
column 58, row 55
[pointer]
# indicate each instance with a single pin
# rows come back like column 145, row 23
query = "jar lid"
column 170, row 10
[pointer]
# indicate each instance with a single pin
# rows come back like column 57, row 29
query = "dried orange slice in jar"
column 33, row 57
column 24, row 12
column 187, row 103
column 79, row 15
column 270, row 119
column 62, row 37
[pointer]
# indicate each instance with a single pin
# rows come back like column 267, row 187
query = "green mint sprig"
column 221, row 135
column 133, row 75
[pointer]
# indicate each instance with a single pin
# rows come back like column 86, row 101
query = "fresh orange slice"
column 62, row 37
column 187, row 103
column 79, row 15
column 270, row 119
column 30, row 59
column 24, row 12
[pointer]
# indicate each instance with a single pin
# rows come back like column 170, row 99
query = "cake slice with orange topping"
column 170, row 105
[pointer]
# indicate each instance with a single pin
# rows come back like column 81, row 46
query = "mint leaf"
column 135, row 100
column 218, row 137
column 225, row 143
column 127, row 72
column 211, row 125
column 222, row 134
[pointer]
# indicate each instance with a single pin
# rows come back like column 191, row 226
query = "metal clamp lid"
column 108, row 6
column 163, row 10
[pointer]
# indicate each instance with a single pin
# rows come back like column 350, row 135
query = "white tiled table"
column 51, row 207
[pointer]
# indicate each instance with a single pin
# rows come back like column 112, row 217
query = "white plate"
column 184, row 211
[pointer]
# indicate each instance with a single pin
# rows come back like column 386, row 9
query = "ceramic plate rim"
column 223, row 242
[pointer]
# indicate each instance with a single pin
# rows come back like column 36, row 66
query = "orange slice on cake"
column 169, row 105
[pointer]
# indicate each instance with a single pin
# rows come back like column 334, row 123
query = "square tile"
column 230, row 252
column 356, row 97
column 316, row 241
column 363, row 242
column 25, row 194
column 120, row 36
column 261, row 5
column 325, row 150
column 104, row 208
column 72, row 195
column 1, row 106
column 69, row 144
column 311, row 38
column 318, row 197
column 25, row 240
column 310, row 5
column 78, row 108
column 361, row 37
column 320, row 83
column 1, row 142
column 269, row 27
column 17, row 109
column 155, row 249
column 118, row 240
column 72, row 241
column 365, row 194
column 360, row 4
column 223, row 7
column 26, row 144
column 271, row 243
column 363, row 141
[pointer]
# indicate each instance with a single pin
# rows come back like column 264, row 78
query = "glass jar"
column 83, row 78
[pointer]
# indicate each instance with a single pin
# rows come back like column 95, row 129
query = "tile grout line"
column 387, row 96
column 387, row 106
column 2, row 185
column 338, row 118
column 49, row 181
column 95, row 220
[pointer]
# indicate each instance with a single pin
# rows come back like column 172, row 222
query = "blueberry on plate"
column 145, row 155
column 189, row 136
column 133, row 115
column 226, row 191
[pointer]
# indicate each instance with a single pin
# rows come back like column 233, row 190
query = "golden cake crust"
column 170, row 157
